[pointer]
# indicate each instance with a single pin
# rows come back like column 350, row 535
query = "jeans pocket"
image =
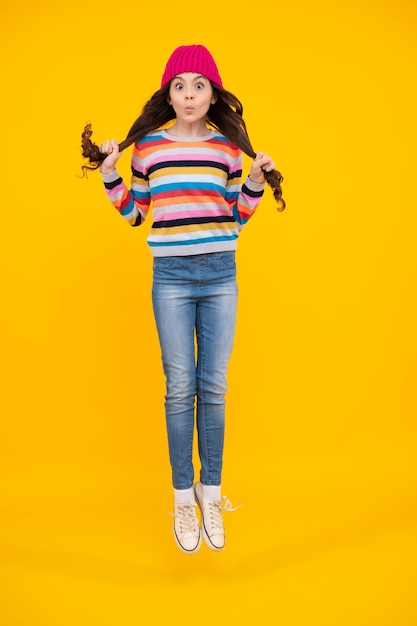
column 163, row 262
column 228, row 258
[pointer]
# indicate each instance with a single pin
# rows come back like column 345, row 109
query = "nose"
column 189, row 96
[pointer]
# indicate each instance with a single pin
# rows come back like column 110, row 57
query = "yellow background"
column 321, row 426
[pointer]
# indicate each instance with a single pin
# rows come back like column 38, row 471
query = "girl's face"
column 191, row 95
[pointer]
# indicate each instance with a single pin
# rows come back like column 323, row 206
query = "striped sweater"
column 199, row 203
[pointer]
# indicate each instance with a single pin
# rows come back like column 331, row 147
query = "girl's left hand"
column 261, row 162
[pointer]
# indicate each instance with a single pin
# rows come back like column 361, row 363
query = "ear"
column 214, row 99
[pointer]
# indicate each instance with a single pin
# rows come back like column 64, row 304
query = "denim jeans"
column 194, row 300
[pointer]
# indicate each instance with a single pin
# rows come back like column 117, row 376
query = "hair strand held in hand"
column 90, row 150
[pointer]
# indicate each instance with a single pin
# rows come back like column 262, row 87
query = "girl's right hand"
column 111, row 148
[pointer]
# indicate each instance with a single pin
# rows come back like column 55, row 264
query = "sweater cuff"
column 254, row 186
column 110, row 178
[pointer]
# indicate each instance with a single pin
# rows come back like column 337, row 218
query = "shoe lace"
column 216, row 507
column 186, row 517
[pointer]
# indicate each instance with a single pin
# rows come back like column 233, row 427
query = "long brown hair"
column 225, row 115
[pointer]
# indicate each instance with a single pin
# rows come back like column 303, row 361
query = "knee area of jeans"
column 211, row 401
column 211, row 392
column 180, row 394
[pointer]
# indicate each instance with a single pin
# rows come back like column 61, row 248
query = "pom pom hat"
column 194, row 58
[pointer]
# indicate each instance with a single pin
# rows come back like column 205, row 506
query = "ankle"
column 184, row 496
column 211, row 492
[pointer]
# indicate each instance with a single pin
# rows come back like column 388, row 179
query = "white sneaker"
column 212, row 521
column 186, row 529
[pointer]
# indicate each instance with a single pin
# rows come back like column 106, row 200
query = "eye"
column 199, row 85
column 178, row 86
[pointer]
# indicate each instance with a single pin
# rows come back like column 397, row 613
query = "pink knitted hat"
column 194, row 58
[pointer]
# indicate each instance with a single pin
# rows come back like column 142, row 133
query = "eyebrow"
column 196, row 78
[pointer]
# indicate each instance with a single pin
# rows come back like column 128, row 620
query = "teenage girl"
column 187, row 164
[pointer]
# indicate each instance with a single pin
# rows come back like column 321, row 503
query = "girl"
column 191, row 172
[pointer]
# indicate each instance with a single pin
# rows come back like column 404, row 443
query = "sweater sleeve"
column 132, row 204
column 243, row 199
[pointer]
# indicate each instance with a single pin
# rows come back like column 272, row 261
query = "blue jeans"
column 194, row 300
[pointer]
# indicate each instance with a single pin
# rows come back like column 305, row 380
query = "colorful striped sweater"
column 199, row 203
